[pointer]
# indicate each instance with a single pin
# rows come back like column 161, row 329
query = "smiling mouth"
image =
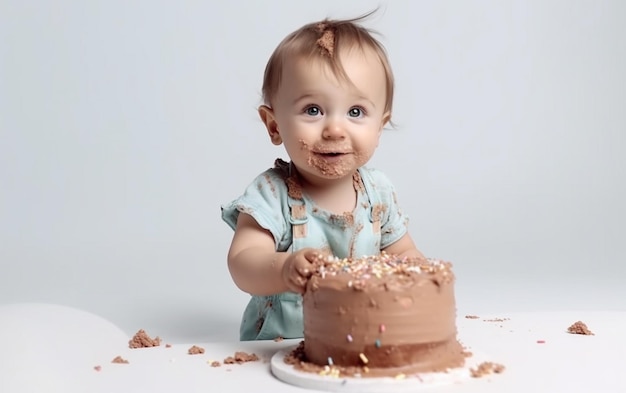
column 331, row 153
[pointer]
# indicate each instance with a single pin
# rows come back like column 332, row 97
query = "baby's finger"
column 297, row 284
column 318, row 255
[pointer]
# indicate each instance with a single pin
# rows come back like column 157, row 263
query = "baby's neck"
column 337, row 197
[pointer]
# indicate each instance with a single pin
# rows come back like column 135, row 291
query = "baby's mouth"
column 330, row 153
column 332, row 156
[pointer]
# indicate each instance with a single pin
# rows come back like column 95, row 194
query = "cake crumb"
column 168, row 345
column 496, row 320
column 195, row 350
column 326, row 41
column 120, row 360
column 97, row 368
column 485, row 368
column 541, row 341
column 579, row 327
column 297, row 358
column 472, row 317
column 278, row 339
column 241, row 357
column 215, row 363
column 141, row 339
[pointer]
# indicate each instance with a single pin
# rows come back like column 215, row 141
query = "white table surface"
column 48, row 348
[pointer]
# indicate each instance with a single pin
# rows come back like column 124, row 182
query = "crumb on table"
column 119, row 360
column 215, row 363
column 496, row 320
column 141, row 339
column 579, row 327
column 241, row 357
column 485, row 368
column 195, row 350
column 472, row 317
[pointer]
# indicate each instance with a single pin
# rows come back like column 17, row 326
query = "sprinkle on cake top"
column 383, row 265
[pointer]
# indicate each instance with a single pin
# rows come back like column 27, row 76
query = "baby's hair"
column 324, row 40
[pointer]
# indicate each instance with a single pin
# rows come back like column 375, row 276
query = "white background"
column 124, row 125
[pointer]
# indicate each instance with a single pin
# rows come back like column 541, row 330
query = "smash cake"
column 379, row 316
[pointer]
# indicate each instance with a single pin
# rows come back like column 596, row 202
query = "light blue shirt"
column 296, row 223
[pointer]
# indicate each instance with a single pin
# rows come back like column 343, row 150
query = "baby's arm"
column 257, row 268
column 404, row 247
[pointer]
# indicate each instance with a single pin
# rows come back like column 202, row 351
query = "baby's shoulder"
column 376, row 178
column 272, row 180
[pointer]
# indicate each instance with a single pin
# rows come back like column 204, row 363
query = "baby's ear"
column 267, row 116
column 386, row 118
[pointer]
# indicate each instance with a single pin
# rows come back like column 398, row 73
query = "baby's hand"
column 298, row 268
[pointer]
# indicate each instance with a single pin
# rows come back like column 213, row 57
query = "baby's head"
column 328, row 91
column 324, row 41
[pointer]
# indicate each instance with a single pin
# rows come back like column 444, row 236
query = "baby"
column 328, row 93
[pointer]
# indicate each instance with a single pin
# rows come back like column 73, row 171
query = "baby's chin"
column 322, row 176
column 333, row 166
column 332, row 172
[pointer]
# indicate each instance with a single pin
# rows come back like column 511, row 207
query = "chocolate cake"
column 383, row 315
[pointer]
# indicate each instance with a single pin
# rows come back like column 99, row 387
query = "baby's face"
column 331, row 126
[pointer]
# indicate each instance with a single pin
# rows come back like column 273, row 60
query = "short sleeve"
column 394, row 222
column 265, row 200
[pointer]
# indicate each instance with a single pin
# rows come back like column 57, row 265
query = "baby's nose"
column 333, row 129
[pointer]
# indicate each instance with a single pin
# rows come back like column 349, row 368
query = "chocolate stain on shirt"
column 359, row 187
column 355, row 234
column 345, row 220
column 293, row 188
column 377, row 211
column 270, row 183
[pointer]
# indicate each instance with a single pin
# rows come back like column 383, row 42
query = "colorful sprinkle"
column 382, row 328
column 330, row 371
column 377, row 343
column 330, row 361
column 349, row 338
column 363, row 358
column 400, row 376
column 382, row 265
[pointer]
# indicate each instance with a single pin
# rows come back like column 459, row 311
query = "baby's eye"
column 355, row 112
column 313, row 111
